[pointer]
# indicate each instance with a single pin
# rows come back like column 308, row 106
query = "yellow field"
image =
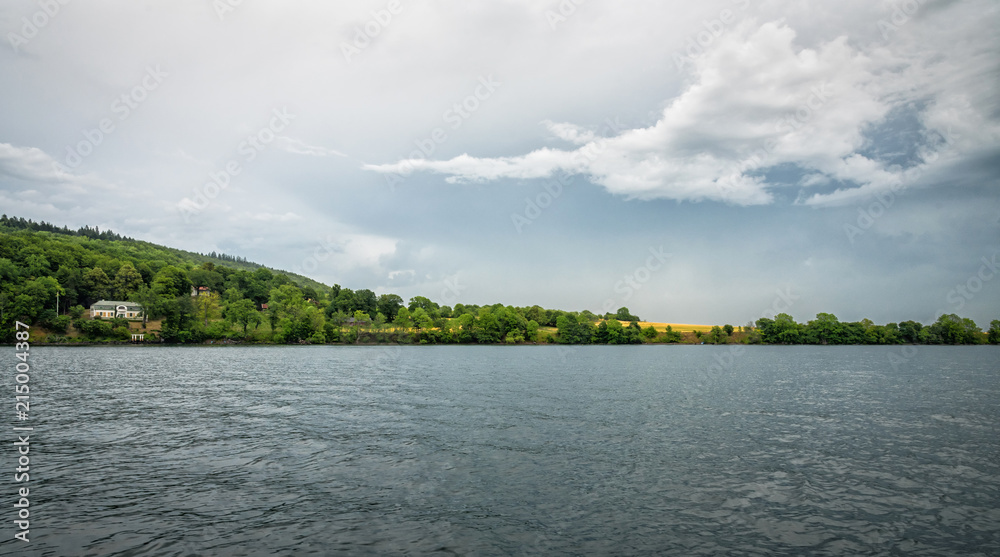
column 680, row 327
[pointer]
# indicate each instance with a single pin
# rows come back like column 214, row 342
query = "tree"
column 488, row 329
column 26, row 308
column 338, row 319
column 825, row 329
column 255, row 287
column 531, row 331
column 571, row 331
column 361, row 318
column 633, row 333
column 670, row 335
column 127, row 281
column 366, row 301
column 952, row 329
column 403, row 320
column 615, row 333
column 388, row 305
column 909, row 331
column 512, row 323
column 994, row 333
column 206, row 277
column 623, row 314
column 715, row 336
column 243, row 312
column 422, row 320
column 177, row 315
column 780, row 330
column 8, row 270
column 37, row 265
column 287, row 301
column 171, row 282
column 207, row 306
column 232, row 295
column 423, row 303
column 344, row 301
column 36, row 296
column 96, row 284
column 728, row 329
column 148, row 299
column 466, row 327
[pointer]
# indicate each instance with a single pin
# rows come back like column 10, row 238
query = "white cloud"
column 407, row 273
column 756, row 100
column 709, row 131
column 34, row 166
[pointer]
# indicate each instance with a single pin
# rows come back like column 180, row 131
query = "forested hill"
column 124, row 248
column 49, row 276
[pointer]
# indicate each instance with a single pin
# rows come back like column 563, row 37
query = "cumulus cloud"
column 756, row 101
column 34, row 166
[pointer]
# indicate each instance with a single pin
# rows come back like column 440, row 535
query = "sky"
column 709, row 162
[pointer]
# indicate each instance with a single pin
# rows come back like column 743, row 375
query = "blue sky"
column 705, row 163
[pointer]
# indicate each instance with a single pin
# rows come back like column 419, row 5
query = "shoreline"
column 554, row 345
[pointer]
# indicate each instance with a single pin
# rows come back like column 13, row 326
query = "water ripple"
column 512, row 451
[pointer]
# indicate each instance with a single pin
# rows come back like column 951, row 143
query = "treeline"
column 827, row 329
column 49, row 279
column 19, row 223
column 230, row 258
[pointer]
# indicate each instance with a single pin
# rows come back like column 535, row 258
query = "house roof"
column 113, row 304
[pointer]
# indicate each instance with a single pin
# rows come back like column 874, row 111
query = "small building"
column 112, row 308
column 198, row 291
column 138, row 337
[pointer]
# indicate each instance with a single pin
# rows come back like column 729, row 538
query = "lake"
column 467, row 450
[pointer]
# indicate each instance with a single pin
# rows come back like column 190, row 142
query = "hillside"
column 138, row 250
column 50, row 276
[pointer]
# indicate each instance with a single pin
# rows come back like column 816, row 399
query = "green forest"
column 50, row 276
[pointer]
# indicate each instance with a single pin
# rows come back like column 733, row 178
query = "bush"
column 217, row 330
column 122, row 333
column 317, row 338
column 96, row 328
column 59, row 324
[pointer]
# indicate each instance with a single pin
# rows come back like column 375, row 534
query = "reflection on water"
column 512, row 451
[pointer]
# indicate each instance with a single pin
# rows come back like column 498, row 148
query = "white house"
column 114, row 308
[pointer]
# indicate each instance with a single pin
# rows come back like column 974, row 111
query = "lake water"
column 464, row 450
